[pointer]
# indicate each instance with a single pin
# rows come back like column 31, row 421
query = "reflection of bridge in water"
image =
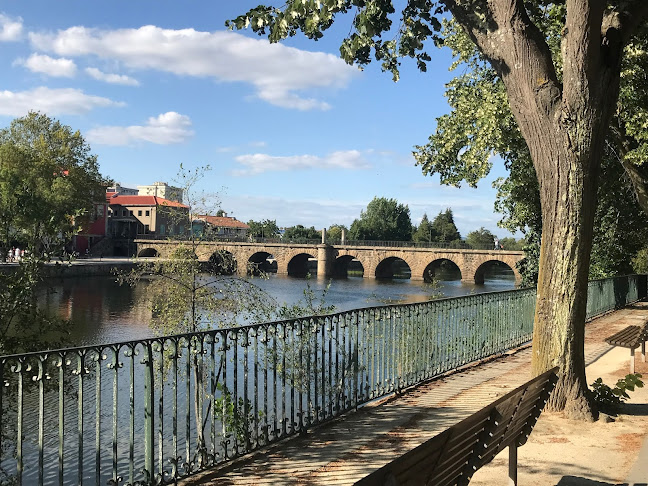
column 335, row 260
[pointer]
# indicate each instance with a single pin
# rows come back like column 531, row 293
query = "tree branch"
column 624, row 19
column 517, row 50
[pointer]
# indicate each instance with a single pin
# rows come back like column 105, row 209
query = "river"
column 102, row 311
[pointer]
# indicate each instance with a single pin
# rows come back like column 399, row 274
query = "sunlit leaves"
column 374, row 35
column 48, row 178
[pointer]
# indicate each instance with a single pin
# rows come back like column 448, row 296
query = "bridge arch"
column 441, row 265
column 298, row 265
column 148, row 253
column 345, row 263
column 393, row 267
column 481, row 272
column 222, row 262
column 261, row 262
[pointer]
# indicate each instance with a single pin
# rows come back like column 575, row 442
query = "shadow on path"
column 576, row 481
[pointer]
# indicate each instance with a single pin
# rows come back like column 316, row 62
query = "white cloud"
column 10, row 29
column 278, row 73
column 40, row 63
column 165, row 129
column 51, row 101
column 258, row 163
column 111, row 78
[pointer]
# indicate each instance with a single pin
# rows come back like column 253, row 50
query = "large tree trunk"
column 564, row 123
column 568, row 204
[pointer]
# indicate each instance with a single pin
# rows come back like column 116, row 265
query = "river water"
column 102, row 311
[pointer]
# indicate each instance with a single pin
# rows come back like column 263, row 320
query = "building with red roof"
column 132, row 216
column 223, row 226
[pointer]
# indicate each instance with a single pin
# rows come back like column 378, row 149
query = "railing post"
column 149, row 399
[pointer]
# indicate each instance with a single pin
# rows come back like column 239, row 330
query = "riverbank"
column 83, row 267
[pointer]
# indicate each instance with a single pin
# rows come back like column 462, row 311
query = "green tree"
column 334, row 232
column 49, row 181
column 481, row 239
column 510, row 243
column 424, row 233
column 385, row 220
column 562, row 104
column 444, row 227
column 263, row 229
column 299, row 232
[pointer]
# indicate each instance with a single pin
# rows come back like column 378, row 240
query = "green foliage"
column 444, row 228
column 609, row 400
column 48, row 182
column 231, row 414
column 385, row 220
column 424, row 233
column 529, row 265
column 23, row 326
column 509, row 243
column 640, row 261
column 263, row 229
column 299, row 232
column 481, row 239
column 334, row 232
column 371, row 21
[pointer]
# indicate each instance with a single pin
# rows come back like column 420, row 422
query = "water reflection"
column 102, row 311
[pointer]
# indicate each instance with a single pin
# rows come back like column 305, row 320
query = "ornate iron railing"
column 155, row 410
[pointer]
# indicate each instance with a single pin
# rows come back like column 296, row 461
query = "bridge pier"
column 325, row 259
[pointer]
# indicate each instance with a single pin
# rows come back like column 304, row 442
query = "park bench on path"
column 454, row 455
column 631, row 337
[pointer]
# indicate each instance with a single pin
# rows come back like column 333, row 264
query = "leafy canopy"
column 481, row 239
column 264, row 229
column 444, row 227
column 299, row 232
column 49, row 180
column 385, row 220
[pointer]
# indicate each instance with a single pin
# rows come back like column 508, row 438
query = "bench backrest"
column 453, row 456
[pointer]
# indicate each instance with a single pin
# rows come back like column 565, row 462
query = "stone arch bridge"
column 333, row 260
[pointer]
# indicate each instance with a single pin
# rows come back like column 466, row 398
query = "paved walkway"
column 351, row 447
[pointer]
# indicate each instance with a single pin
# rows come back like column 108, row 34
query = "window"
column 139, row 213
column 181, row 230
column 148, row 213
column 162, row 229
column 130, row 213
column 124, row 212
column 147, row 230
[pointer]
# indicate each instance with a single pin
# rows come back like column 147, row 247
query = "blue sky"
column 289, row 130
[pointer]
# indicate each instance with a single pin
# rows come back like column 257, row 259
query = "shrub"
column 609, row 399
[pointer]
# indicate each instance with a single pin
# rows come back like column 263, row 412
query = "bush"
column 608, row 399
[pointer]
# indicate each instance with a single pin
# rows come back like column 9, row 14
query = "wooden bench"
column 454, row 455
column 631, row 337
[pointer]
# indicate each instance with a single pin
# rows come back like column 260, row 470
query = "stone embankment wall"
column 76, row 270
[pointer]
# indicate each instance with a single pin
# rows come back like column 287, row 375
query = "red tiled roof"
column 142, row 201
column 222, row 221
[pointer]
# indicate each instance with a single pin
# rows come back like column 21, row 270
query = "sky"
column 289, row 131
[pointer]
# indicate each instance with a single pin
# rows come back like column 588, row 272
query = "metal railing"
column 156, row 410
